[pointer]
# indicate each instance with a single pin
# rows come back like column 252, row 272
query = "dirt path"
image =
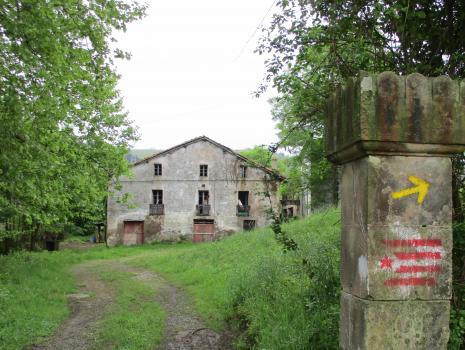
column 184, row 330
column 87, row 308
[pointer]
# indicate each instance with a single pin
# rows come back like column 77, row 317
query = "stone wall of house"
column 180, row 182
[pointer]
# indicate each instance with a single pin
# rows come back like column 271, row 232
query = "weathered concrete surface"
column 371, row 218
column 180, row 183
column 387, row 325
column 391, row 114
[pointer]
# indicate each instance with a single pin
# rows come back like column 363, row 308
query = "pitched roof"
column 219, row 145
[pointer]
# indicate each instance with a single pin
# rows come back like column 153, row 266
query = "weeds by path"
column 135, row 320
column 276, row 300
column 34, row 289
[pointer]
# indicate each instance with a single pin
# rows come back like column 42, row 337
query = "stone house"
column 198, row 190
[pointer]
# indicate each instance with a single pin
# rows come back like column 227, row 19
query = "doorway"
column 133, row 232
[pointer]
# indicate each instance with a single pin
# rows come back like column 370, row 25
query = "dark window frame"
column 203, row 170
column 242, row 171
column 243, row 197
column 157, row 169
column 203, row 197
column 157, row 196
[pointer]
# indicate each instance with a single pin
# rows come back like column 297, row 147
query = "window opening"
column 157, row 169
column 203, row 197
column 243, row 203
column 242, row 171
column 243, row 198
column 157, row 196
column 203, row 208
column 203, row 170
column 249, row 225
column 204, row 221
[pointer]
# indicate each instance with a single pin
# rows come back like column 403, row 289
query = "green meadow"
column 246, row 283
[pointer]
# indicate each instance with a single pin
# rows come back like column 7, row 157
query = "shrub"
column 290, row 300
column 457, row 320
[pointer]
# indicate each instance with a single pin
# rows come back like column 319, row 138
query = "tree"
column 314, row 45
column 63, row 131
column 287, row 165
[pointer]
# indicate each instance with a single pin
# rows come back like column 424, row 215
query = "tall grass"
column 276, row 300
column 291, row 301
column 206, row 270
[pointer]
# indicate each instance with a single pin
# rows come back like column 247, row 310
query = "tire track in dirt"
column 184, row 330
column 87, row 307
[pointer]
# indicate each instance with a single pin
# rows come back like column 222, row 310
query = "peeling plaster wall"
column 180, row 183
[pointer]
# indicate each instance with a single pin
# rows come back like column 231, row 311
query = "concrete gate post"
column 393, row 136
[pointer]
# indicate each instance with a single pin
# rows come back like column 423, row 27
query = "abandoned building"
column 199, row 190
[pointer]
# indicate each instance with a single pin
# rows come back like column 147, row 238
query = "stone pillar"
column 393, row 136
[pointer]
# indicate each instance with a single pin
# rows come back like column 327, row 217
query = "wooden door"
column 133, row 232
column 203, row 231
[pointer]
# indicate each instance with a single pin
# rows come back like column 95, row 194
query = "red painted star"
column 386, row 262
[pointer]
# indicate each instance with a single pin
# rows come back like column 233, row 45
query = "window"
column 157, row 208
column 248, row 225
column 242, row 171
column 243, row 203
column 243, row 198
column 203, row 208
column 203, row 197
column 157, row 196
column 157, row 169
column 203, row 170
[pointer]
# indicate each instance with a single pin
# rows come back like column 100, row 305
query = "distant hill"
column 137, row 154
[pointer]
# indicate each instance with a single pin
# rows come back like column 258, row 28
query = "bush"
column 457, row 320
column 291, row 300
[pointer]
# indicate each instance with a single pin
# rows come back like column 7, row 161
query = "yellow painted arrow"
column 421, row 188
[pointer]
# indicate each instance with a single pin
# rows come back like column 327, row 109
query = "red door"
column 133, row 232
column 203, row 231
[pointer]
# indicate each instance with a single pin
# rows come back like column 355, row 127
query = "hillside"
column 137, row 154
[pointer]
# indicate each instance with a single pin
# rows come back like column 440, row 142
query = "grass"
column 77, row 239
column 276, row 300
column 205, row 270
column 33, row 289
column 135, row 320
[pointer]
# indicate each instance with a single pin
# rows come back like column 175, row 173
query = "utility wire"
column 254, row 32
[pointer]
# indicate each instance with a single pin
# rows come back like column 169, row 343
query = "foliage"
column 288, row 244
column 457, row 322
column 291, row 301
column 275, row 300
column 288, row 166
column 312, row 46
column 259, row 154
column 64, row 133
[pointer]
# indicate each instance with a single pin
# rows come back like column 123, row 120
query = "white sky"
column 187, row 76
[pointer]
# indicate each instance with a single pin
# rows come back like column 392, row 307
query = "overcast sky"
column 193, row 73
